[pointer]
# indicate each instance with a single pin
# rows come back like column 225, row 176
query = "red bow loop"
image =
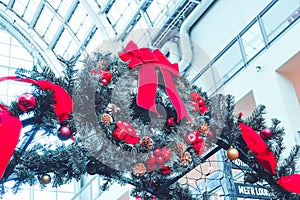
column 165, row 63
column 148, row 79
column 10, row 129
column 135, row 56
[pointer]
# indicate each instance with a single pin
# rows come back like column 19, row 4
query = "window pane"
column 227, row 64
column 279, row 17
column 253, row 41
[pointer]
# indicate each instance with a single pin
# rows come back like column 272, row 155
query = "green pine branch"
column 288, row 165
column 275, row 143
column 256, row 119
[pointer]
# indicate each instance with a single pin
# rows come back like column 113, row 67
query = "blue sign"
column 238, row 164
column 251, row 191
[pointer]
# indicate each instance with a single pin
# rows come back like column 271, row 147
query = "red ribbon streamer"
column 290, row 183
column 267, row 159
column 10, row 128
column 148, row 79
column 63, row 102
column 257, row 145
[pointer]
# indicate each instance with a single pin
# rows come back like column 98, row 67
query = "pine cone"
column 139, row 169
column 106, row 119
column 204, row 129
column 185, row 159
column 180, row 149
column 113, row 108
column 146, row 143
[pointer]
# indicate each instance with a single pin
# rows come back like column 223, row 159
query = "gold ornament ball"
column 45, row 179
column 232, row 153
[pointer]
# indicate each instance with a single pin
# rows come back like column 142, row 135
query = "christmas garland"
column 126, row 123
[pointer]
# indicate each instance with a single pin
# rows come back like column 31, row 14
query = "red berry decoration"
column 203, row 109
column 64, row 133
column 26, row 102
column 151, row 159
column 160, row 160
column 201, row 102
column 106, row 75
column 124, row 131
column 194, row 96
column 157, row 152
column 165, row 170
column 191, row 137
column 199, row 148
column 166, row 153
column 266, row 133
column 195, row 105
column 104, row 81
column 119, row 134
column 132, row 139
column 151, row 166
column 240, row 114
column 170, row 121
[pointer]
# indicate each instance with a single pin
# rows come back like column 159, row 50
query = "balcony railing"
column 258, row 36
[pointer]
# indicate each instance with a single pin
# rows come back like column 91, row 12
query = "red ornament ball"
column 64, row 133
column 266, row 133
column 170, row 121
column 26, row 102
column 106, row 75
column 104, row 81
column 201, row 102
column 211, row 135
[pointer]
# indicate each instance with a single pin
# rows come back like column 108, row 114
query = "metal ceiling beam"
column 65, row 20
column 10, row 4
column 89, row 35
column 107, row 6
column 134, row 19
column 37, row 14
column 29, row 39
column 97, row 19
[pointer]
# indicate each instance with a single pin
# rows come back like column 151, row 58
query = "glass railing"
column 258, row 35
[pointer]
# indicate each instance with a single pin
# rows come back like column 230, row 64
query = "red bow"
column 10, row 128
column 147, row 60
column 266, row 158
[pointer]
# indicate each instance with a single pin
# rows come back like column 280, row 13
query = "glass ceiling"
column 51, row 28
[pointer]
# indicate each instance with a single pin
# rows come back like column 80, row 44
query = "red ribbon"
column 10, row 128
column 63, row 102
column 290, row 183
column 147, row 60
column 267, row 159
